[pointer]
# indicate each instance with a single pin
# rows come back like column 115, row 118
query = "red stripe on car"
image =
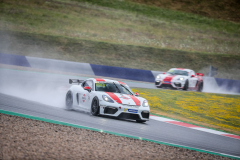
column 114, row 97
column 137, row 102
column 168, row 79
column 180, row 68
column 122, row 83
column 99, row 79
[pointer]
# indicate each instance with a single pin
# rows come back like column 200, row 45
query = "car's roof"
column 183, row 69
column 106, row 80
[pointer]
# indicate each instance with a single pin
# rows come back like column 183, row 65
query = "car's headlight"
column 145, row 103
column 181, row 78
column 158, row 77
column 108, row 99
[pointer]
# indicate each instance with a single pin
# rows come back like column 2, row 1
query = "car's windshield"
column 113, row 87
column 178, row 72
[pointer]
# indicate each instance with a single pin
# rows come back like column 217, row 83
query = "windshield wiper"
column 117, row 87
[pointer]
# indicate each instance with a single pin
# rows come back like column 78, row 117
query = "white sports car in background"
column 180, row 78
column 107, row 97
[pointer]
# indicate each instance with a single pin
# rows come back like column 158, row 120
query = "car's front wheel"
column 95, row 106
column 69, row 100
column 185, row 85
column 200, row 87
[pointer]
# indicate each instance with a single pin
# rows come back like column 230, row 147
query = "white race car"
column 107, row 97
column 180, row 78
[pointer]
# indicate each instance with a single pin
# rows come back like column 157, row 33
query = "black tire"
column 185, row 88
column 140, row 121
column 69, row 100
column 159, row 86
column 200, row 87
column 95, row 106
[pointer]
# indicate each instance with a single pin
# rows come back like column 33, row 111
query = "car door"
column 91, row 94
column 84, row 96
column 192, row 79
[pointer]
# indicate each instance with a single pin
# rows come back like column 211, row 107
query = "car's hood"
column 124, row 98
column 169, row 77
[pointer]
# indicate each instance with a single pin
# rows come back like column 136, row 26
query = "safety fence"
column 98, row 70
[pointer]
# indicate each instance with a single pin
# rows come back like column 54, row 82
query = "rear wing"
column 75, row 81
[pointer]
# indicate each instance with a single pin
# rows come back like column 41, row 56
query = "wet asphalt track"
column 24, row 84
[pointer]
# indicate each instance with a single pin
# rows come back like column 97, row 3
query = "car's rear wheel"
column 185, row 85
column 95, row 106
column 69, row 100
column 200, row 87
column 140, row 121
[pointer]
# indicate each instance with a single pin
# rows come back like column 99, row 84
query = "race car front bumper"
column 177, row 84
column 125, row 111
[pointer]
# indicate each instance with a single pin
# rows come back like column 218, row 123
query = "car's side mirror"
column 136, row 94
column 87, row 88
column 192, row 76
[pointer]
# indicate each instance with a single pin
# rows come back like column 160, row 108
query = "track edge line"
column 154, row 114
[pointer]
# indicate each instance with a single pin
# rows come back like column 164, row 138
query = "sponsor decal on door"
column 84, row 98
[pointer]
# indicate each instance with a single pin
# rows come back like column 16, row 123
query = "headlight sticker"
column 100, row 84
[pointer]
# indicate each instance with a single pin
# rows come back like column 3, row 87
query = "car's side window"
column 88, row 83
column 84, row 84
column 193, row 73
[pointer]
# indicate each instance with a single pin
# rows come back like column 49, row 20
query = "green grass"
column 224, row 9
column 217, row 111
column 169, row 15
column 113, row 54
column 119, row 33
column 124, row 23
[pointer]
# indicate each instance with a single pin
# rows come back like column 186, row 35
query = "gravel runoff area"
column 22, row 138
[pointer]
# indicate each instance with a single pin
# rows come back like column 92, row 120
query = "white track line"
column 183, row 124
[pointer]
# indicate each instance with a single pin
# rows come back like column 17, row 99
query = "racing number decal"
column 85, row 98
